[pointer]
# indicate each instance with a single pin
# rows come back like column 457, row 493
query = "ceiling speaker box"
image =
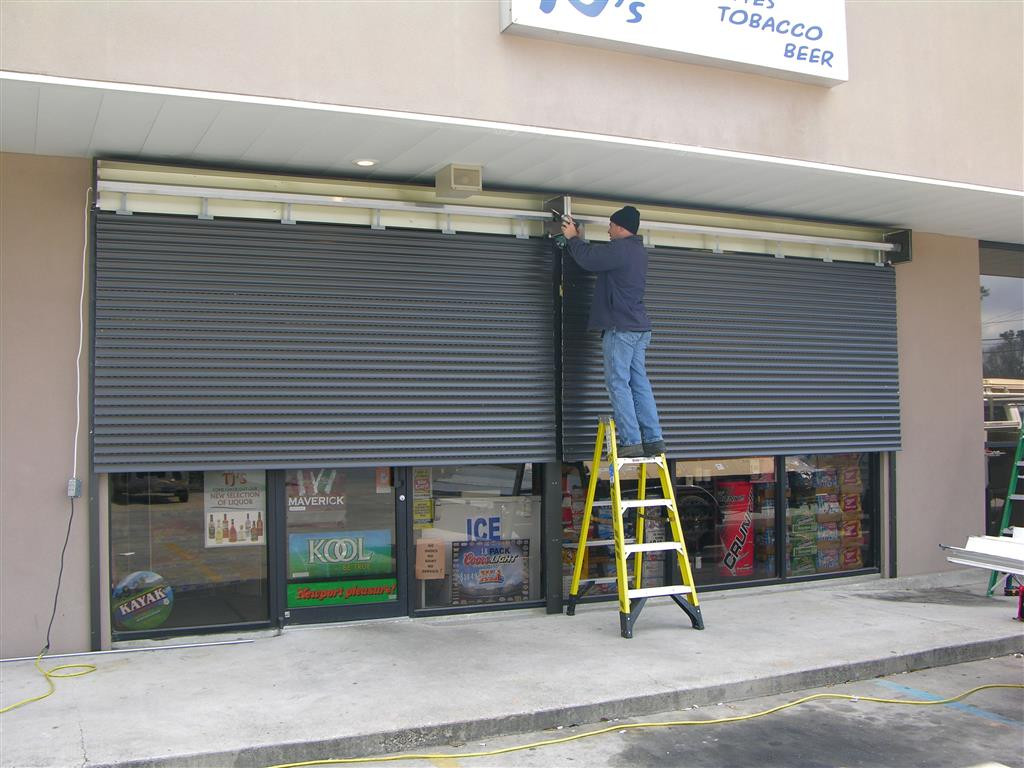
column 459, row 180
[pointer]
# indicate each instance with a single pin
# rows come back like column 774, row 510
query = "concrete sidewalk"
column 368, row 688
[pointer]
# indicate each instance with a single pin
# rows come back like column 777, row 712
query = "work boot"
column 654, row 449
column 634, row 451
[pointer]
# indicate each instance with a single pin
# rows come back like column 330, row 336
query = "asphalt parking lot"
column 985, row 729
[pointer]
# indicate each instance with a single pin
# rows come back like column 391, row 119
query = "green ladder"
column 1011, row 496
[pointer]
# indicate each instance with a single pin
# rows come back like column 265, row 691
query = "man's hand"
column 569, row 229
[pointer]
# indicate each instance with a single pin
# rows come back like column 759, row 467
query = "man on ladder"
column 618, row 312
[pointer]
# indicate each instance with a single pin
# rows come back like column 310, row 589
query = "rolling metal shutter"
column 751, row 355
column 241, row 344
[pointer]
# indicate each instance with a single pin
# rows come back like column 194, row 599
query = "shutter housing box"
column 458, row 180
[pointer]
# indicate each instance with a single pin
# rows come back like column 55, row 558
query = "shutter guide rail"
column 376, row 206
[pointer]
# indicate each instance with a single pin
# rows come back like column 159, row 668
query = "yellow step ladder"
column 632, row 598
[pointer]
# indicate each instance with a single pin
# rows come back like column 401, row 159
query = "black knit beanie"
column 628, row 217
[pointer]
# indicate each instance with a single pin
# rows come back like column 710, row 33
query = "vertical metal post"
column 892, row 516
column 781, row 480
column 551, row 517
column 96, row 548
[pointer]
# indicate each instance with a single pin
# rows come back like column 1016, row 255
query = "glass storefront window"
column 187, row 549
column 829, row 513
column 727, row 508
column 341, row 537
column 476, row 534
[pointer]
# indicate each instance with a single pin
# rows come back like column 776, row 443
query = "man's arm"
column 594, row 258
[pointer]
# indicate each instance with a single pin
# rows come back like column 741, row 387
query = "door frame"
column 337, row 613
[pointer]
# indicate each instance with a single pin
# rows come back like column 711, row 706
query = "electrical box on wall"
column 902, row 239
column 557, row 205
column 459, row 180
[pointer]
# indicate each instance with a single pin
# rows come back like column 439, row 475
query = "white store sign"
column 801, row 40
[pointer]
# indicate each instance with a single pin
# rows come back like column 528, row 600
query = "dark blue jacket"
column 621, row 268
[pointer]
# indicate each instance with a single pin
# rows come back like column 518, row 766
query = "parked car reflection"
column 149, row 486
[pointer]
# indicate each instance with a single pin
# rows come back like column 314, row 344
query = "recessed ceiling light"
column 365, row 163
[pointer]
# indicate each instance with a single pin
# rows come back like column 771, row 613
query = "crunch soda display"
column 736, row 533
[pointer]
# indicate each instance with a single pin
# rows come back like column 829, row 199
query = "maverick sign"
column 795, row 39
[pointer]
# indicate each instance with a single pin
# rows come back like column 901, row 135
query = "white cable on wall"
column 81, row 336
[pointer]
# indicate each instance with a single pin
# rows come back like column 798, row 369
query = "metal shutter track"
column 751, row 355
column 224, row 344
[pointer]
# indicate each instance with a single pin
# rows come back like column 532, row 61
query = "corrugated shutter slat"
column 751, row 355
column 255, row 344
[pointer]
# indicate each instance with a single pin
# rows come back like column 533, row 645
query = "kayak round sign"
column 142, row 600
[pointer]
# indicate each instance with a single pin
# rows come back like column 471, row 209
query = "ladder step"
column 672, row 589
column 634, row 503
column 1017, row 497
column 653, row 546
column 594, row 543
column 603, row 580
column 641, row 460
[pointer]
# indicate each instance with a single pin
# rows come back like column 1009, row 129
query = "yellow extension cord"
column 626, row 726
column 50, row 674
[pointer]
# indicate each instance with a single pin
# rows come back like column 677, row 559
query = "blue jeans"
column 625, row 376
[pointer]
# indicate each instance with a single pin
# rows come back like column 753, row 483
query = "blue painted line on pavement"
column 968, row 708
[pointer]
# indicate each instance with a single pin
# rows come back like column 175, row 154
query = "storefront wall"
column 924, row 76
column 42, row 204
column 940, row 473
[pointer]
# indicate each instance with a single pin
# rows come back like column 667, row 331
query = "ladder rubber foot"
column 693, row 611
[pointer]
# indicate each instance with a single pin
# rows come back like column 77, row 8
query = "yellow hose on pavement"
column 50, row 675
column 629, row 726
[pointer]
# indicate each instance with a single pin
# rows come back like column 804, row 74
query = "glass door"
column 342, row 548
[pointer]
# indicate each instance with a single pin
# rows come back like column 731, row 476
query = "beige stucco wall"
column 940, row 485
column 907, row 103
column 42, row 200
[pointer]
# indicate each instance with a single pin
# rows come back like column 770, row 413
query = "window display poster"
column 422, row 513
column 382, row 479
column 321, row 593
column 422, row 487
column 422, row 498
column 311, row 489
column 490, row 571
column 339, row 554
column 234, row 508
column 736, row 533
column 142, row 600
column 430, row 559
